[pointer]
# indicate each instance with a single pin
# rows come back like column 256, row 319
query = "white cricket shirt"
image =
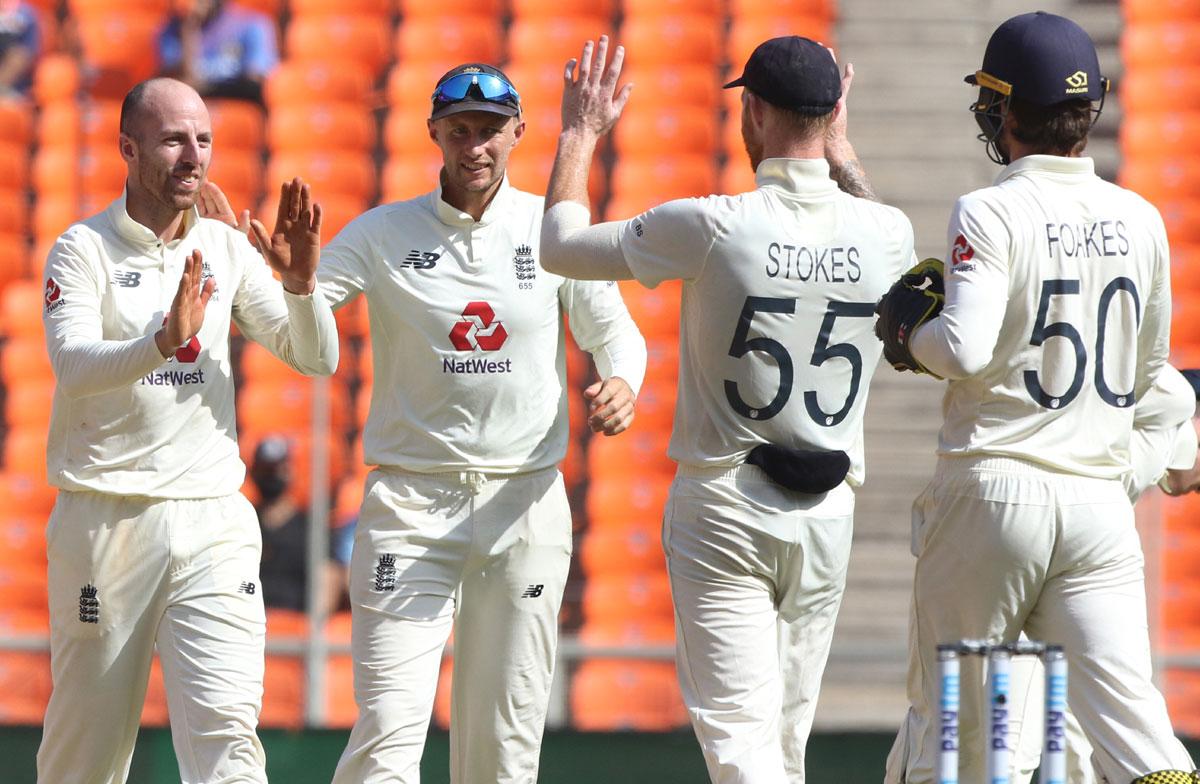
column 126, row 421
column 1057, row 315
column 777, row 317
column 467, row 333
column 1163, row 436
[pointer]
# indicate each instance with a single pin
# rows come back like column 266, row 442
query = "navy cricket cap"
column 1041, row 58
column 793, row 73
column 474, row 87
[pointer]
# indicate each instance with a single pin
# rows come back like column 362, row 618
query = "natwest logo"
column 479, row 328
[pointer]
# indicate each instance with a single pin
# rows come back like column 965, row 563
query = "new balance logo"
column 127, row 279
column 385, row 573
column 420, row 259
column 533, row 592
column 89, row 604
column 247, row 588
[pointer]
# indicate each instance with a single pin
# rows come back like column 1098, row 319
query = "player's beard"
column 754, row 148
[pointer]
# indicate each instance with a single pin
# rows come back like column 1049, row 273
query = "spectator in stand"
column 284, row 527
column 19, row 43
column 222, row 50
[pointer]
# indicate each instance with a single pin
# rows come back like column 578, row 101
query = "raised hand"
column 213, row 203
column 591, row 102
column 294, row 248
column 610, row 406
column 187, row 309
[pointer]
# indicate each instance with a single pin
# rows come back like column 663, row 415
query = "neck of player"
column 471, row 202
column 165, row 221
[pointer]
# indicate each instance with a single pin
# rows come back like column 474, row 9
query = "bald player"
column 1056, row 321
column 776, row 355
column 150, row 542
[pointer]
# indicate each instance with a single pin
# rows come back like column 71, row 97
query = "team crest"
column 960, row 254
column 206, row 273
column 523, row 265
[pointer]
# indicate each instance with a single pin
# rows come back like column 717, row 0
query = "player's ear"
column 127, row 147
column 433, row 133
column 518, row 129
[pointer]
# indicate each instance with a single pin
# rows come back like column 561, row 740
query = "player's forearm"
column 311, row 341
column 848, row 172
column 83, row 368
column 623, row 356
column 573, row 248
column 572, row 164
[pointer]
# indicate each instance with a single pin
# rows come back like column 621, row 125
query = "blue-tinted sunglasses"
column 479, row 86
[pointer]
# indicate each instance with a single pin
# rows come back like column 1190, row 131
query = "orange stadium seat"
column 554, row 39
column 612, row 695
column 23, row 537
column 121, row 41
column 14, row 167
column 1172, row 43
column 1182, row 219
column 410, row 85
column 405, row 132
column 450, row 40
column 24, row 687
column 543, row 121
column 408, row 176
column 25, row 451
column 633, row 549
column 655, row 407
column 294, row 83
column 329, row 172
column 628, row 631
column 237, row 172
column 677, row 84
column 1154, row 134
column 28, row 493
column 21, row 308
column 1162, row 179
column 55, row 171
column 337, row 36
column 58, row 125
column 288, row 404
column 634, row 9
column 28, row 404
column 101, row 172
column 321, row 127
column 746, row 33
column 675, row 131
column 747, row 8
column 14, row 258
column 630, row 204
column 539, row 83
column 1159, row 10
column 352, row 323
column 56, row 78
column 614, row 596
column 380, row 9
column 23, row 585
column 16, row 121
column 548, row 9
column 736, row 176
column 1166, row 88
column 14, row 212
column 410, row 9
column 99, row 123
column 664, row 177
column 52, row 214
column 91, row 7
column 1185, row 318
column 620, row 500
column 662, row 360
column 529, row 170
column 635, row 453
column 237, row 125
column 340, row 709
column 1185, row 266
column 23, row 357
column 283, row 692
column 686, row 38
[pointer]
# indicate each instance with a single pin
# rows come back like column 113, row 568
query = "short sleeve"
column 668, row 242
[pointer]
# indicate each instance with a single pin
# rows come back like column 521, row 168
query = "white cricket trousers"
column 1002, row 547
column 125, row 574
column 757, row 574
column 487, row 555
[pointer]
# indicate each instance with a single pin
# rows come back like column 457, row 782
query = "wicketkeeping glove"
column 911, row 301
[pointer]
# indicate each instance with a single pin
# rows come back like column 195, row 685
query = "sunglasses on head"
column 475, row 85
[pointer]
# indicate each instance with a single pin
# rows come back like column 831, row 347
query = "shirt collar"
column 1057, row 166
column 452, row 216
column 136, row 233
column 809, row 176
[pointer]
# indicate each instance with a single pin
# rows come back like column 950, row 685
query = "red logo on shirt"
column 188, row 352
column 478, row 329
column 962, row 251
column 53, row 292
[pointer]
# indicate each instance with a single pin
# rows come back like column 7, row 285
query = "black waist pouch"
column 811, row 471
